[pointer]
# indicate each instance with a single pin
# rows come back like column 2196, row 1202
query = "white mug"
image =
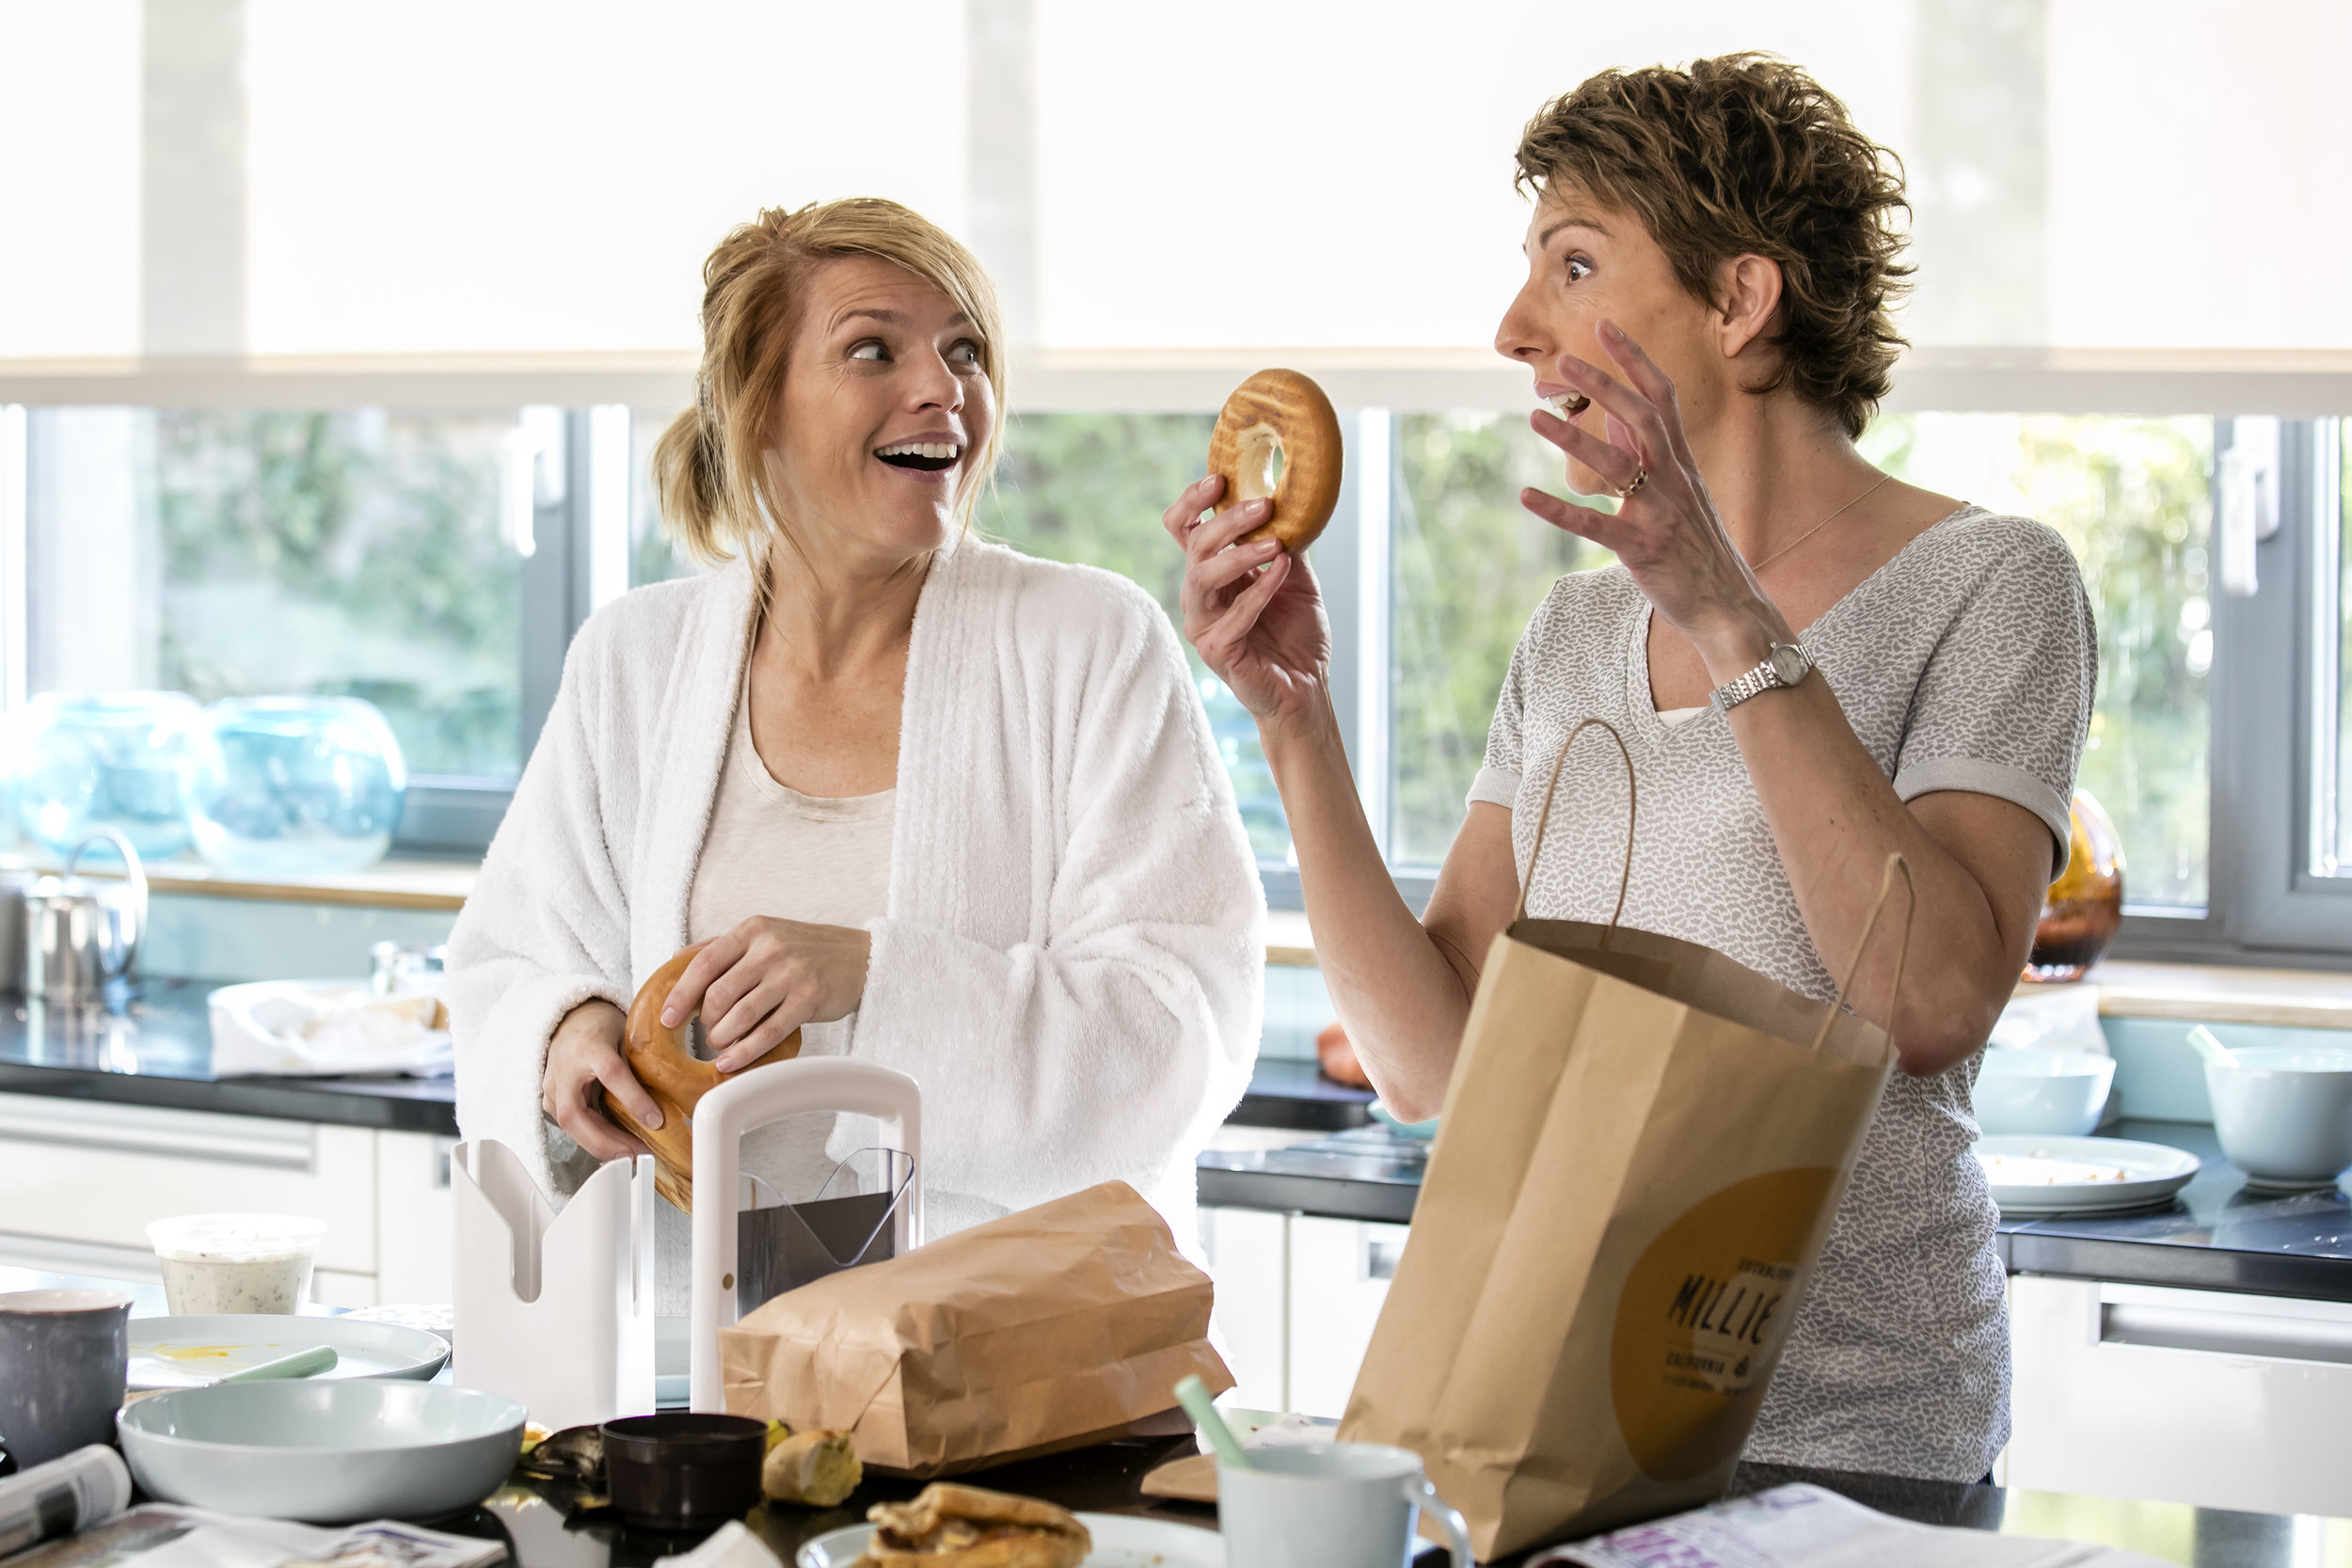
column 1330, row 1505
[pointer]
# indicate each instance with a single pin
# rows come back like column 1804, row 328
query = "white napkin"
column 326, row 1028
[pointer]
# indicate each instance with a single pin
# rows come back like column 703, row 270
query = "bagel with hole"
column 675, row 1077
column 1279, row 412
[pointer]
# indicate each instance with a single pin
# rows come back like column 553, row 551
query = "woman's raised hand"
column 1252, row 610
column 1666, row 529
column 764, row 978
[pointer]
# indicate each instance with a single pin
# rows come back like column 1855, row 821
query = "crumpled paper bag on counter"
column 1044, row 1330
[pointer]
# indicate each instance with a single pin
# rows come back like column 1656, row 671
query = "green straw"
column 1193, row 1395
column 302, row 1363
column 2210, row 1048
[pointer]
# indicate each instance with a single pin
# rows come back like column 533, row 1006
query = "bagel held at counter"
column 676, row 1078
column 1286, row 410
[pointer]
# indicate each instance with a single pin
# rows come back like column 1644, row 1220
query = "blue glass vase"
column 120, row 760
column 294, row 786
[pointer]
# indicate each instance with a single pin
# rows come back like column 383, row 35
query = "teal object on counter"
column 122, row 760
column 293, row 786
column 326, row 1452
column 1410, row 1129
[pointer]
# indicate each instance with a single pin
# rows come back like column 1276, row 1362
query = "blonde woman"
column 933, row 803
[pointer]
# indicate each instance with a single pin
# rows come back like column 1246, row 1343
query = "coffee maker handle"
column 756, row 1097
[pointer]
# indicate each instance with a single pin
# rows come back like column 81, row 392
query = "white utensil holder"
column 555, row 1311
column 745, row 1104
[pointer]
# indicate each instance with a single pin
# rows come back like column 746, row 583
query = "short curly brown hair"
column 1745, row 154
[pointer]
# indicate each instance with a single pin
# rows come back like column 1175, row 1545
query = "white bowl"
column 2284, row 1113
column 327, row 1452
column 2055, row 1093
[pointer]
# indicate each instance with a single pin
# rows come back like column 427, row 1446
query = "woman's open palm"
column 1253, row 611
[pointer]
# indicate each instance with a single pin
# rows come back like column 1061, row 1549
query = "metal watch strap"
column 1763, row 679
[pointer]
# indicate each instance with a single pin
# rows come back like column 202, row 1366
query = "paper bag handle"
column 1632, row 805
column 1894, row 862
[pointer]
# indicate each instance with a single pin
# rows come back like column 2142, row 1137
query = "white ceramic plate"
column 188, row 1352
column 2032, row 1174
column 1121, row 1540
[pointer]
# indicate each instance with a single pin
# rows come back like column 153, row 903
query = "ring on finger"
column 1640, row 476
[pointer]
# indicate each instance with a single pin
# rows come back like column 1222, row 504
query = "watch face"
column 1788, row 663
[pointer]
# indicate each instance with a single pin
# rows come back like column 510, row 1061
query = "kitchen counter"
column 1107, row 1480
column 2216, row 1235
column 160, row 1052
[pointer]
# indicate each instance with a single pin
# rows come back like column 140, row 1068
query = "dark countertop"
column 160, row 1052
column 2216, row 1235
column 1107, row 1480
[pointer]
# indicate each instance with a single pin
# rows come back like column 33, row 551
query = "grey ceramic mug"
column 63, row 1355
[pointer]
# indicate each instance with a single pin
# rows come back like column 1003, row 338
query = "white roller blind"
column 444, row 178
column 1239, row 172
column 455, row 176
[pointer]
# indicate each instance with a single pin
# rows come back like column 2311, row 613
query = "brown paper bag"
column 1643, row 1145
column 1047, row 1329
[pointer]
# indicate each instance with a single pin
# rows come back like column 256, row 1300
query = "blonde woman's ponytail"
column 689, row 481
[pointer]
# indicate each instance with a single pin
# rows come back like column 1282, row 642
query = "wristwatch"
column 1787, row 664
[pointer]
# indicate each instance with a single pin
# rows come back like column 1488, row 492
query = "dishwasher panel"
column 2199, row 1397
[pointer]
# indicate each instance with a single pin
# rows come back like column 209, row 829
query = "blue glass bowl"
column 122, row 759
column 296, row 786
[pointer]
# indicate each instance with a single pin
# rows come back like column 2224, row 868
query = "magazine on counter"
column 1806, row 1526
column 71, row 1512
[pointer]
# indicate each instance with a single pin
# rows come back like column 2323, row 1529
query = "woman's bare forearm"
column 1400, row 997
column 1977, row 865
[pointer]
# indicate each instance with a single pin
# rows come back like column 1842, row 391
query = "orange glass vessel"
column 2083, row 908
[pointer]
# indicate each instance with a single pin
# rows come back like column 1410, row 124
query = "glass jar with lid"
column 296, row 786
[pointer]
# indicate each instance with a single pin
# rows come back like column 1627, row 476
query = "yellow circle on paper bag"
column 1702, row 1320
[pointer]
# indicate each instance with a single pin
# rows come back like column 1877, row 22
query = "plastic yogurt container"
column 225, row 1264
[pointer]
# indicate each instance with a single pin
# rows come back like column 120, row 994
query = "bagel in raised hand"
column 1285, row 411
column 659, row 1054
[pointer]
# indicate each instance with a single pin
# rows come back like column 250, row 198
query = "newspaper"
column 1806, row 1526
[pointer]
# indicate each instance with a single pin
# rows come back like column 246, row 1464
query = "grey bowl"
column 327, row 1452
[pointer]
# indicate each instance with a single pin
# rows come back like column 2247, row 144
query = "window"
column 1090, row 488
column 1470, row 567
column 2133, row 498
column 406, row 556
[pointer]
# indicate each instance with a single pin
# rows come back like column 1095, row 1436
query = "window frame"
column 2265, row 906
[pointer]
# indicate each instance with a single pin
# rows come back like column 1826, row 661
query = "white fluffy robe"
column 1071, row 964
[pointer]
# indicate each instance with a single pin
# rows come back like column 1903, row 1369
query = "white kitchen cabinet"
column 2199, row 1397
column 1338, row 1279
column 416, row 1246
column 81, row 1179
column 91, row 1170
column 1250, row 1261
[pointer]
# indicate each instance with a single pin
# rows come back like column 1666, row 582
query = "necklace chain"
column 1820, row 526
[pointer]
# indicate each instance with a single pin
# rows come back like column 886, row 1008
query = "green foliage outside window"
column 1090, row 488
column 350, row 553
column 1470, row 567
column 2132, row 498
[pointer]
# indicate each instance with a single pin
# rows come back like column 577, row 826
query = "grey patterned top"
column 1966, row 662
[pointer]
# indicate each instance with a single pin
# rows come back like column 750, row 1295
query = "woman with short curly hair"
column 1812, row 664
